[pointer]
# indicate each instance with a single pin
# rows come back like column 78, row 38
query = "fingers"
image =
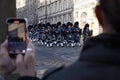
column 6, row 64
column 26, row 65
column 4, row 43
column 30, row 58
column 4, row 51
column 30, row 49
column 29, row 64
column 20, row 64
column 3, row 47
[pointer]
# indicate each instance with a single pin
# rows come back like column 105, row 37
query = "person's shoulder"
column 52, row 71
column 65, row 72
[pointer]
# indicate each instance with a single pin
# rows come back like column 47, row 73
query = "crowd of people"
column 58, row 34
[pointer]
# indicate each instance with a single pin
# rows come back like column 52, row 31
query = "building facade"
column 84, row 13
column 27, row 9
column 55, row 10
column 20, row 6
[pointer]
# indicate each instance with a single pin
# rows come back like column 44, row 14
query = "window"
column 64, row 4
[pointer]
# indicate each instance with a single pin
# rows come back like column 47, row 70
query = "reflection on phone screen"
column 16, row 38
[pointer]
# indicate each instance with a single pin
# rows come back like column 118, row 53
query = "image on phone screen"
column 16, row 37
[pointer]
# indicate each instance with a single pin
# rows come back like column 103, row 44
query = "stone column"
column 7, row 9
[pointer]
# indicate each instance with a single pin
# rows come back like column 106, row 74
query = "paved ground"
column 48, row 57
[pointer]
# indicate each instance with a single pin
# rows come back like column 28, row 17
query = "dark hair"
column 47, row 24
column 69, row 23
column 58, row 23
column 76, row 23
column 111, row 9
column 86, row 25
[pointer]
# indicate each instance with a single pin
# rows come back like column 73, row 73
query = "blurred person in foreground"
column 100, row 56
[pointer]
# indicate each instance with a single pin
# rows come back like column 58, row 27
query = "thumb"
column 3, row 48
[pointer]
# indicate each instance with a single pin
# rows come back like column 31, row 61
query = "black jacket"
column 28, row 78
column 99, row 60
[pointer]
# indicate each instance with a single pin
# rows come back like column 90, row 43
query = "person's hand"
column 25, row 64
column 7, row 65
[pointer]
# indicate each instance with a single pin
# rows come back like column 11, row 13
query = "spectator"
column 86, row 32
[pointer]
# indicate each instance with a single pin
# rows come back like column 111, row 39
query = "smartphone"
column 17, row 40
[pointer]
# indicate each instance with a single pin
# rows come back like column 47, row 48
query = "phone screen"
column 16, row 37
